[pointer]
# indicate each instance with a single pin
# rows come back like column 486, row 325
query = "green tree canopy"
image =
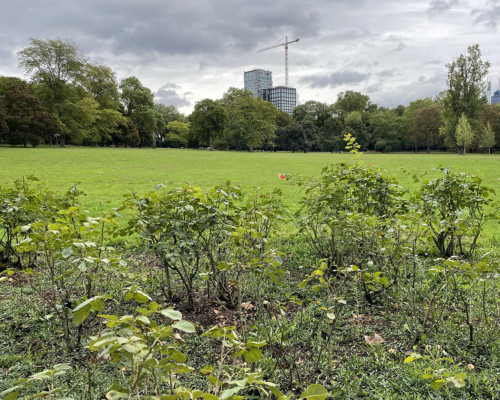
column 207, row 121
column 57, row 69
column 426, row 124
column 27, row 119
column 350, row 101
column 464, row 134
column 139, row 106
column 466, row 87
column 488, row 138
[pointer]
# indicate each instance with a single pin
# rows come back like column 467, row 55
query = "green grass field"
column 105, row 174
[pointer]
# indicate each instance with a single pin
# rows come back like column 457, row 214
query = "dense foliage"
column 183, row 293
column 70, row 100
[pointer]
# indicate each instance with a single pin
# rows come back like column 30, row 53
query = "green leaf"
column 252, row 355
column 226, row 394
column 10, row 394
column 115, row 395
column 80, row 314
column 177, row 355
column 315, row 392
column 141, row 297
column 437, row 384
column 209, row 396
column 206, row 370
column 67, row 252
column 255, row 344
column 172, row 314
column 184, row 326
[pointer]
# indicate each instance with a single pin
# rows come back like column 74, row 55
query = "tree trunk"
column 211, row 143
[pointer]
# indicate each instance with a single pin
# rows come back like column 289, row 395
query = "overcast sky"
column 188, row 50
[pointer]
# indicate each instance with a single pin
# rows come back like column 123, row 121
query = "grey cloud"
column 488, row 16
column 169, row 96
column 387, row 73
column 439, row 6
column 315, row 81
column 401, row 46
column 346, row 77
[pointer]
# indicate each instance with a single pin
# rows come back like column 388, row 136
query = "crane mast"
column 285, row 43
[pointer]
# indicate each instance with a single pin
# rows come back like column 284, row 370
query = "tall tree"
column 7, row 81
column 464, row 134
column 178, row 133
column 384, row 127
column 330, row 135
column 100, row 82
column 466, row 87
column 254, row 119
column 4, row 128
column 491, row 115
column 139, row 106
column 488, row 138
column 426, row 124
column 57, row 69
column 163, row 115
column 313, row 111
column 207, row 121
column 409, row 137
column 27, row 119
column 350, row 101
column 356, row 127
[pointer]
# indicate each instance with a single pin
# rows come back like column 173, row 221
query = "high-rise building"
column 257, row 81
column 495, row 99
column 284, row 98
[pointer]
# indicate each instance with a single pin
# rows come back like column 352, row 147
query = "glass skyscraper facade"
column 257, row 81
column 260, row 83
column 284, row 98
column 495, row 99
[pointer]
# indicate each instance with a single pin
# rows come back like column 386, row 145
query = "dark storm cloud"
column 439, row 6
column 168, row 95
column 346, row 77
column 156, row 27
column 488, row 16
column 315, row 81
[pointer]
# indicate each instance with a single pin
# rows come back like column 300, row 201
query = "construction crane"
column 285, row 43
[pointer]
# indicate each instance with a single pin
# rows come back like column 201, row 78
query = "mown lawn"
column 106, row 174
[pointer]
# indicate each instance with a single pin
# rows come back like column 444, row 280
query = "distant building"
column 257, row 81
column 495, row 99
column 284, row 98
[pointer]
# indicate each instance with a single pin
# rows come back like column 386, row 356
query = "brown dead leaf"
column 247, row 306
column 374, row 340
column 178, row 338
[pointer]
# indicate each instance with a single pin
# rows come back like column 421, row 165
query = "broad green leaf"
column 437, row 384
column 315, row 392
column 252, row 355
column 10, row 394
column 67, row 252
column 80, row 314
column 141, row 297
column 177, row 355
column 184, row 326
column 172, row 314
column 115, row 395
column 206, row 370
column 226, row 394
column 209, row 396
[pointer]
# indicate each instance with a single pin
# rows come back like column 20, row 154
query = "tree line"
column 69, row 100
